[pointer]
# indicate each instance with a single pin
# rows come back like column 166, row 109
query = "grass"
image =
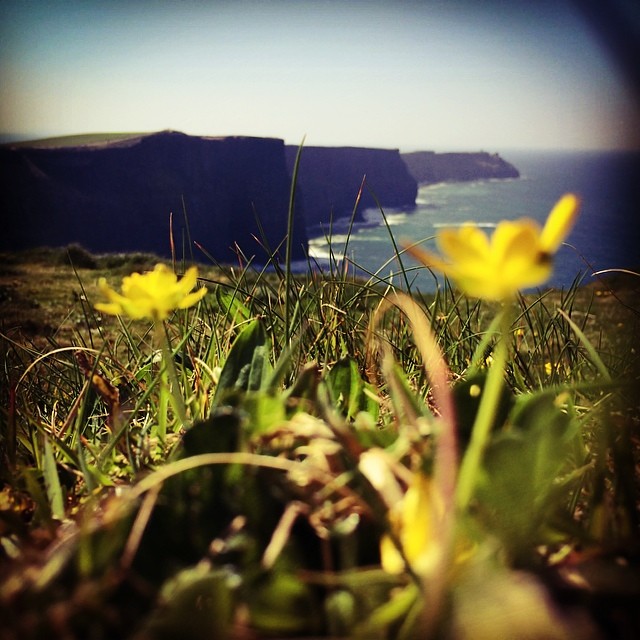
column 76, row 140
column 307, row 413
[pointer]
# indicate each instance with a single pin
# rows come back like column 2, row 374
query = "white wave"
column 434, row 187
column 323, row 240
column 449, row 225
column 325, row 252
column 428, row 202
column 393, row 217
column 396, row 218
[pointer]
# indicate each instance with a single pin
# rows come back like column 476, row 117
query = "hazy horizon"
column 503, row 151
column 457, row 76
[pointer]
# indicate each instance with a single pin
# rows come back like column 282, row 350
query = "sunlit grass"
column 307, row 410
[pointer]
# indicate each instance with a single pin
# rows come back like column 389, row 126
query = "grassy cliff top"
column 76, row 140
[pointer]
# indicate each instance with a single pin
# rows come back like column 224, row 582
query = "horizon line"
column 8, row 138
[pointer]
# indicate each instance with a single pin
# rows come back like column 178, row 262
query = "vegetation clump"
column 240, row 453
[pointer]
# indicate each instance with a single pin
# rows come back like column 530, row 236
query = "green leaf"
column 247, row 365
column 33, row 482
column 280, row 603
column 340, row 608
column 348, row 389
column 232, row 305
column 517, row 494
column 492, row 602
column 52, row 482
column 467, row 393
column 406, row 406
column 196, row 604
column 265, row 411
column 218, row 433
column 397, row 608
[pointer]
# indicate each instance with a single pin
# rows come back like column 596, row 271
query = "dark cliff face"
column 329, row 179
column 428, row 167
column 118, row 196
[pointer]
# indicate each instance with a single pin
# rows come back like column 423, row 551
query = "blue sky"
column 454, row 74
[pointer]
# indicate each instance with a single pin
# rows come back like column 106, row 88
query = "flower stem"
column 169, row 367
column 169, row 384
column 163, row 394
column 485, row 418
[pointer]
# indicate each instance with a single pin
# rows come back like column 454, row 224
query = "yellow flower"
column 416, row 524
column 154, row 294
column 518, row 254
column 412, row 521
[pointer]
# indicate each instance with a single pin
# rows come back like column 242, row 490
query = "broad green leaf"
column 247, row 365
column 492, row 602
column 518, row 492
column 232, row 305
column 218, row 433
column 467, row 394
column 280, row 603
column 196, row 604
column 265, row 411
column 348, row 389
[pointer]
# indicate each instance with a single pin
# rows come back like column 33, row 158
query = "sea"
column 606, row 236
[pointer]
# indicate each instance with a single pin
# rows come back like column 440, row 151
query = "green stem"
column 470, row 466
column 287, row 274
column 175, row 397
column 163, row 405
column 169, row 384
column 163, row 395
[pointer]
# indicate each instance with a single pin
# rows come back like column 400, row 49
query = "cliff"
column 117, row 196
column 428, row 167
column 329, row 179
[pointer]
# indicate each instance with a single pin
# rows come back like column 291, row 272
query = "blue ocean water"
column 606, row 236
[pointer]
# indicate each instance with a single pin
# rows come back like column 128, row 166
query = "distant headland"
column 227, row 195
column 429, row 167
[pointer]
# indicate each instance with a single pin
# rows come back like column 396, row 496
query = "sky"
column 431, row 74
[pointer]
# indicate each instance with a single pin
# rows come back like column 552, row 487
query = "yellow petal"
column 189, row 279
column 154, row 294
column 390, row 557
column 428, row 259
column 412, row 520
column 515, row 241
column 192, row 298
column 519, row 260
column 482, row 287
column 110, row 308
column 467, row 245
column 517, row 256
column 559, row 223
column 114, row 306
column 417, row 517
column 105, row 289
